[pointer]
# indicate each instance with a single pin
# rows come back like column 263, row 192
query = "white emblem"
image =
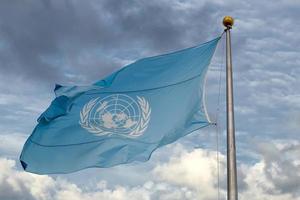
column 116, row 114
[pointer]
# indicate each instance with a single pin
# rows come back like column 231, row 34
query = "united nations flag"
column 124, row 117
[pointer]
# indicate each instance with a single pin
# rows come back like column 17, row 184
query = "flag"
column 124, row 117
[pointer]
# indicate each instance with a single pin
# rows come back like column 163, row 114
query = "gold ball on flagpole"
column 228, row 21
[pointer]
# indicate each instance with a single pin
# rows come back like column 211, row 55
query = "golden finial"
column 228, row 21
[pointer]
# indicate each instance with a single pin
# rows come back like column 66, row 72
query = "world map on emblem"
column 116, row 114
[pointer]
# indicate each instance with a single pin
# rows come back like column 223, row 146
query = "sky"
column 79, row 42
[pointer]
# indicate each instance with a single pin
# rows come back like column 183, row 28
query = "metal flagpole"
column 232, row 191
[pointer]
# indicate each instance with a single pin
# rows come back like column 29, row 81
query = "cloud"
column 15, row 184
column 196, row 169
column 72, row 41
column 274, row 176
column 281, row 165
column 20, row 185
column 186, row 175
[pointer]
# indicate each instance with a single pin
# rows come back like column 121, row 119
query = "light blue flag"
column 124, row 117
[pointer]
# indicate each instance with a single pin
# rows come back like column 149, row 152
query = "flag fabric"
column 124, row 117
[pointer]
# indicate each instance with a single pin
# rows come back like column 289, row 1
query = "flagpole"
column 232, row 191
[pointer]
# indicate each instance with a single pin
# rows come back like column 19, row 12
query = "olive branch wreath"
column 146, row 112
column 142, row 126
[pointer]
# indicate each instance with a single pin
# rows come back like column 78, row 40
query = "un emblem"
column 116, row 114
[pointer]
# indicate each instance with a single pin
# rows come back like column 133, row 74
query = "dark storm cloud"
column 50, row 40
column 33, row 30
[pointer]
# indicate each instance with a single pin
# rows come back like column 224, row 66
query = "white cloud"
column 16, row 184
column 196, row 169
column 187, row 175
column 259, row 187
